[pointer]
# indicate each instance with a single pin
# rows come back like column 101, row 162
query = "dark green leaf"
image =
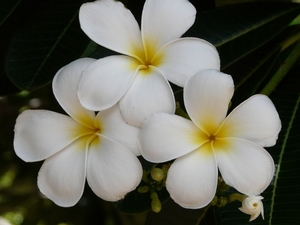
column 8, row 22
column 236, row 30
column 49, row 38
column 254, row 71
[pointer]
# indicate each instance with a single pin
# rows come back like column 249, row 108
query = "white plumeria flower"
column 101, row 148
column 253, row 206
column 138, row 79
column 234, row 144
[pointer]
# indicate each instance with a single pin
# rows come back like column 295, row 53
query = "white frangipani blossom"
column 212, row 141
column 100, row 148
column 152, row 55
column 253, row 206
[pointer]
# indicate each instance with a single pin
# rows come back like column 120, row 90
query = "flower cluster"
column 135, row 116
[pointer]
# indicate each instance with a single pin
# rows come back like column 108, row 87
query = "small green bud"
column 154, row 196
column 143, row 189
column 156, row 205
column 214, row 201
column 144, row 178
column 157, row 174
column 222, row 201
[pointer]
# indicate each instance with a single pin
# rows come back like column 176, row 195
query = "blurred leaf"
column 296, row 21
column 48, row 39
column 254, row 71
column 285, row 63
column 281, row 201
column 236, row 30
column 7, row 24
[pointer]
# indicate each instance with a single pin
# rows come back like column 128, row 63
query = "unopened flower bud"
column 214, row 201
column 156, row 205
column 253, row 206
column 157, row 174
column 222, row 201
column 143, row 189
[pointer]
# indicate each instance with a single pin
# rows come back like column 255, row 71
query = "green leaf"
column 47, row 39
column 282, row 199
column 7, row 8
column 236, row 30
column 253, row 72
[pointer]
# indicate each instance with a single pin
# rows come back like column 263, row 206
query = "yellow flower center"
column 146, row 58
column 88, row 133
column 214, row 140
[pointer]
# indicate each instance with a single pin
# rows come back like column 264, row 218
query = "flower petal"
column 65, row 85
column 206, row 96
column 164, row 137
column 182, row 58
column 62, row 176
column 244, row 165
column 192, row 179
column 110, row 24
column 256, row 120
column 114, row 127
column 41, row 133
column 165, row 20
column 112, row 170
column 149, row 92
column 105, row 81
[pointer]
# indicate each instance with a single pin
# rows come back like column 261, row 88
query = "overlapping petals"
column 110, row 75
column 152, row 51
column 66, row 95
column 101, row 148
column 153, row 91
column 231, row 144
